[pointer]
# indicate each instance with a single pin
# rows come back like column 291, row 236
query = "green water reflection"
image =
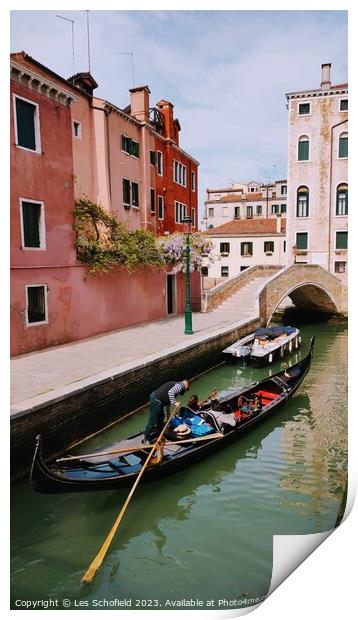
column 207, row 532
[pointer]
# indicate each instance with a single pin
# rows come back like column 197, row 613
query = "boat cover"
column 273, row 332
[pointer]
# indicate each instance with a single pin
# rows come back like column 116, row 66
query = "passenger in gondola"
column 257, row 403
column 160, row 401
column 194, row 403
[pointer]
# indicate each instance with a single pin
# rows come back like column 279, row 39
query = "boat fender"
column 296, row 343
column 270, row 358
column 282, row 352
column 299, row 339
column 290, row 346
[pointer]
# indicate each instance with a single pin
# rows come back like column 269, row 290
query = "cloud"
column 227, row 72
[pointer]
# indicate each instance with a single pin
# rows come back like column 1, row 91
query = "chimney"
column 166, row 108
column 326, row 76
column 278, row 223
column 140, row 103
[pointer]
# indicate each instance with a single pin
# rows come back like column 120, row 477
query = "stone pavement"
column 42, row 372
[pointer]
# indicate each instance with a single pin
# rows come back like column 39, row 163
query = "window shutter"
column 25, row 120
column 341, row 240
column 301, row 241
column 31, row 219
column 303, row 150
column 343, row 146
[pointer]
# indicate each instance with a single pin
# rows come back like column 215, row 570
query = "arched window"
column 303, row 148
column 342, row 199
column 302, row 209
column 343, row 145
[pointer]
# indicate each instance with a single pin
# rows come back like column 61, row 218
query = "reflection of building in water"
column 315, row 443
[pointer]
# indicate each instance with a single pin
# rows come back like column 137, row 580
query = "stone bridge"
column 310, row 287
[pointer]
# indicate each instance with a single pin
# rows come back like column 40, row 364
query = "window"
column 152, row 157
column 126, row 193
column 211, row 212
column 135, row 194
column 36, row 304
column 160, row 208
column 179, row 173
column 130, row 146
column 259, row 210
column 243, row 267
column 32, row 224
column 246, row 248
column 341, row 240
column 77, row 129
column 283, row 208
column 180, row 210
column 224, row 248
column 342, row 199
column 237, row 213
column 249, row 212
column 225, row 212
column 269, row 246
column 340, row 266
column 27, row 125
column 160, row 163
column 284, row 246
column 205, row 271
column 283, row 190
column 193, row 181
column 343, row 105
column 343, row 145
column 193, row 218
column 210, row 226
column 152, row 200
column 302, row 208
column 303, row 149
column 302, row 241
column 304, row 108
column 275, row 208
column 224, row 271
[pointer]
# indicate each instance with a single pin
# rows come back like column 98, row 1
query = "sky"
column 226, row 72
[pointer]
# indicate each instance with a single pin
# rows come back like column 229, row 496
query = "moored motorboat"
column 264, row 346
column 219, row 422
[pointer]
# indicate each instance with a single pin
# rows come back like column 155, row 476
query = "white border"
column 42, row 225
column 36, row 123
column 27, row 286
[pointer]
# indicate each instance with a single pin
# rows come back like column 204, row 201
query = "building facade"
column 242, row 244
column 252, row 200
column 64, row 144
column 317, row 214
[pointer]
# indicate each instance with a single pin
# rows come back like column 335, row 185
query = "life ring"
column 282, row 352
column 290, row 346
column 270, row 358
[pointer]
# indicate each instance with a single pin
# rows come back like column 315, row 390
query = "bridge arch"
column 310, row 287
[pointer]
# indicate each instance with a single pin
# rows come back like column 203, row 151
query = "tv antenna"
column 88, row 44
column 73, row 39
column 131, row 54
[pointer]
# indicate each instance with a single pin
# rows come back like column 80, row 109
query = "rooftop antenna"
column 73, row 39
column 88, row 44
column 131, row 54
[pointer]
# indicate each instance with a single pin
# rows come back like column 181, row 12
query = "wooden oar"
column 91, row 571
column 131, row 449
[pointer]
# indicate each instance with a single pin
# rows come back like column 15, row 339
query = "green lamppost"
column 188, row 323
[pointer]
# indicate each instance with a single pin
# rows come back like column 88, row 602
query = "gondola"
column 264, row 346
column 220, row 421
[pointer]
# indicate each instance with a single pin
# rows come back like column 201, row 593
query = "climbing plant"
column 173, row 249
column 103, row 242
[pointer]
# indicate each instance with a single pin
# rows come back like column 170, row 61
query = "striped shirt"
column 166, row 393
column 178, row 388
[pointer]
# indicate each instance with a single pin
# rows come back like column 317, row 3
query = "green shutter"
column 341, row 240
column 25, row 121
column 126, row 192
column 301, row 241
column 303, row 150
column 343, row 147
column 135, row 194
column 31, row 224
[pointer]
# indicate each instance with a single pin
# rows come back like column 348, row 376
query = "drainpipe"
column 330, row 193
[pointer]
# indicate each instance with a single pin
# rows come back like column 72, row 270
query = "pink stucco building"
column 59, row 151
column 317, row 211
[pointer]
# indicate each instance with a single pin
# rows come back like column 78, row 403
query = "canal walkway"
column 37, row 377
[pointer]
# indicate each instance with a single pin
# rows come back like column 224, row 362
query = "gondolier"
column 160, row 400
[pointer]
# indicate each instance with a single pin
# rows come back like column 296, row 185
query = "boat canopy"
column 273, row 332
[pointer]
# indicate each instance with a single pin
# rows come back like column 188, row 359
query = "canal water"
column 205, row 534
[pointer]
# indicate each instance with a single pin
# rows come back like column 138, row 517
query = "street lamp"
column 188, row 323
